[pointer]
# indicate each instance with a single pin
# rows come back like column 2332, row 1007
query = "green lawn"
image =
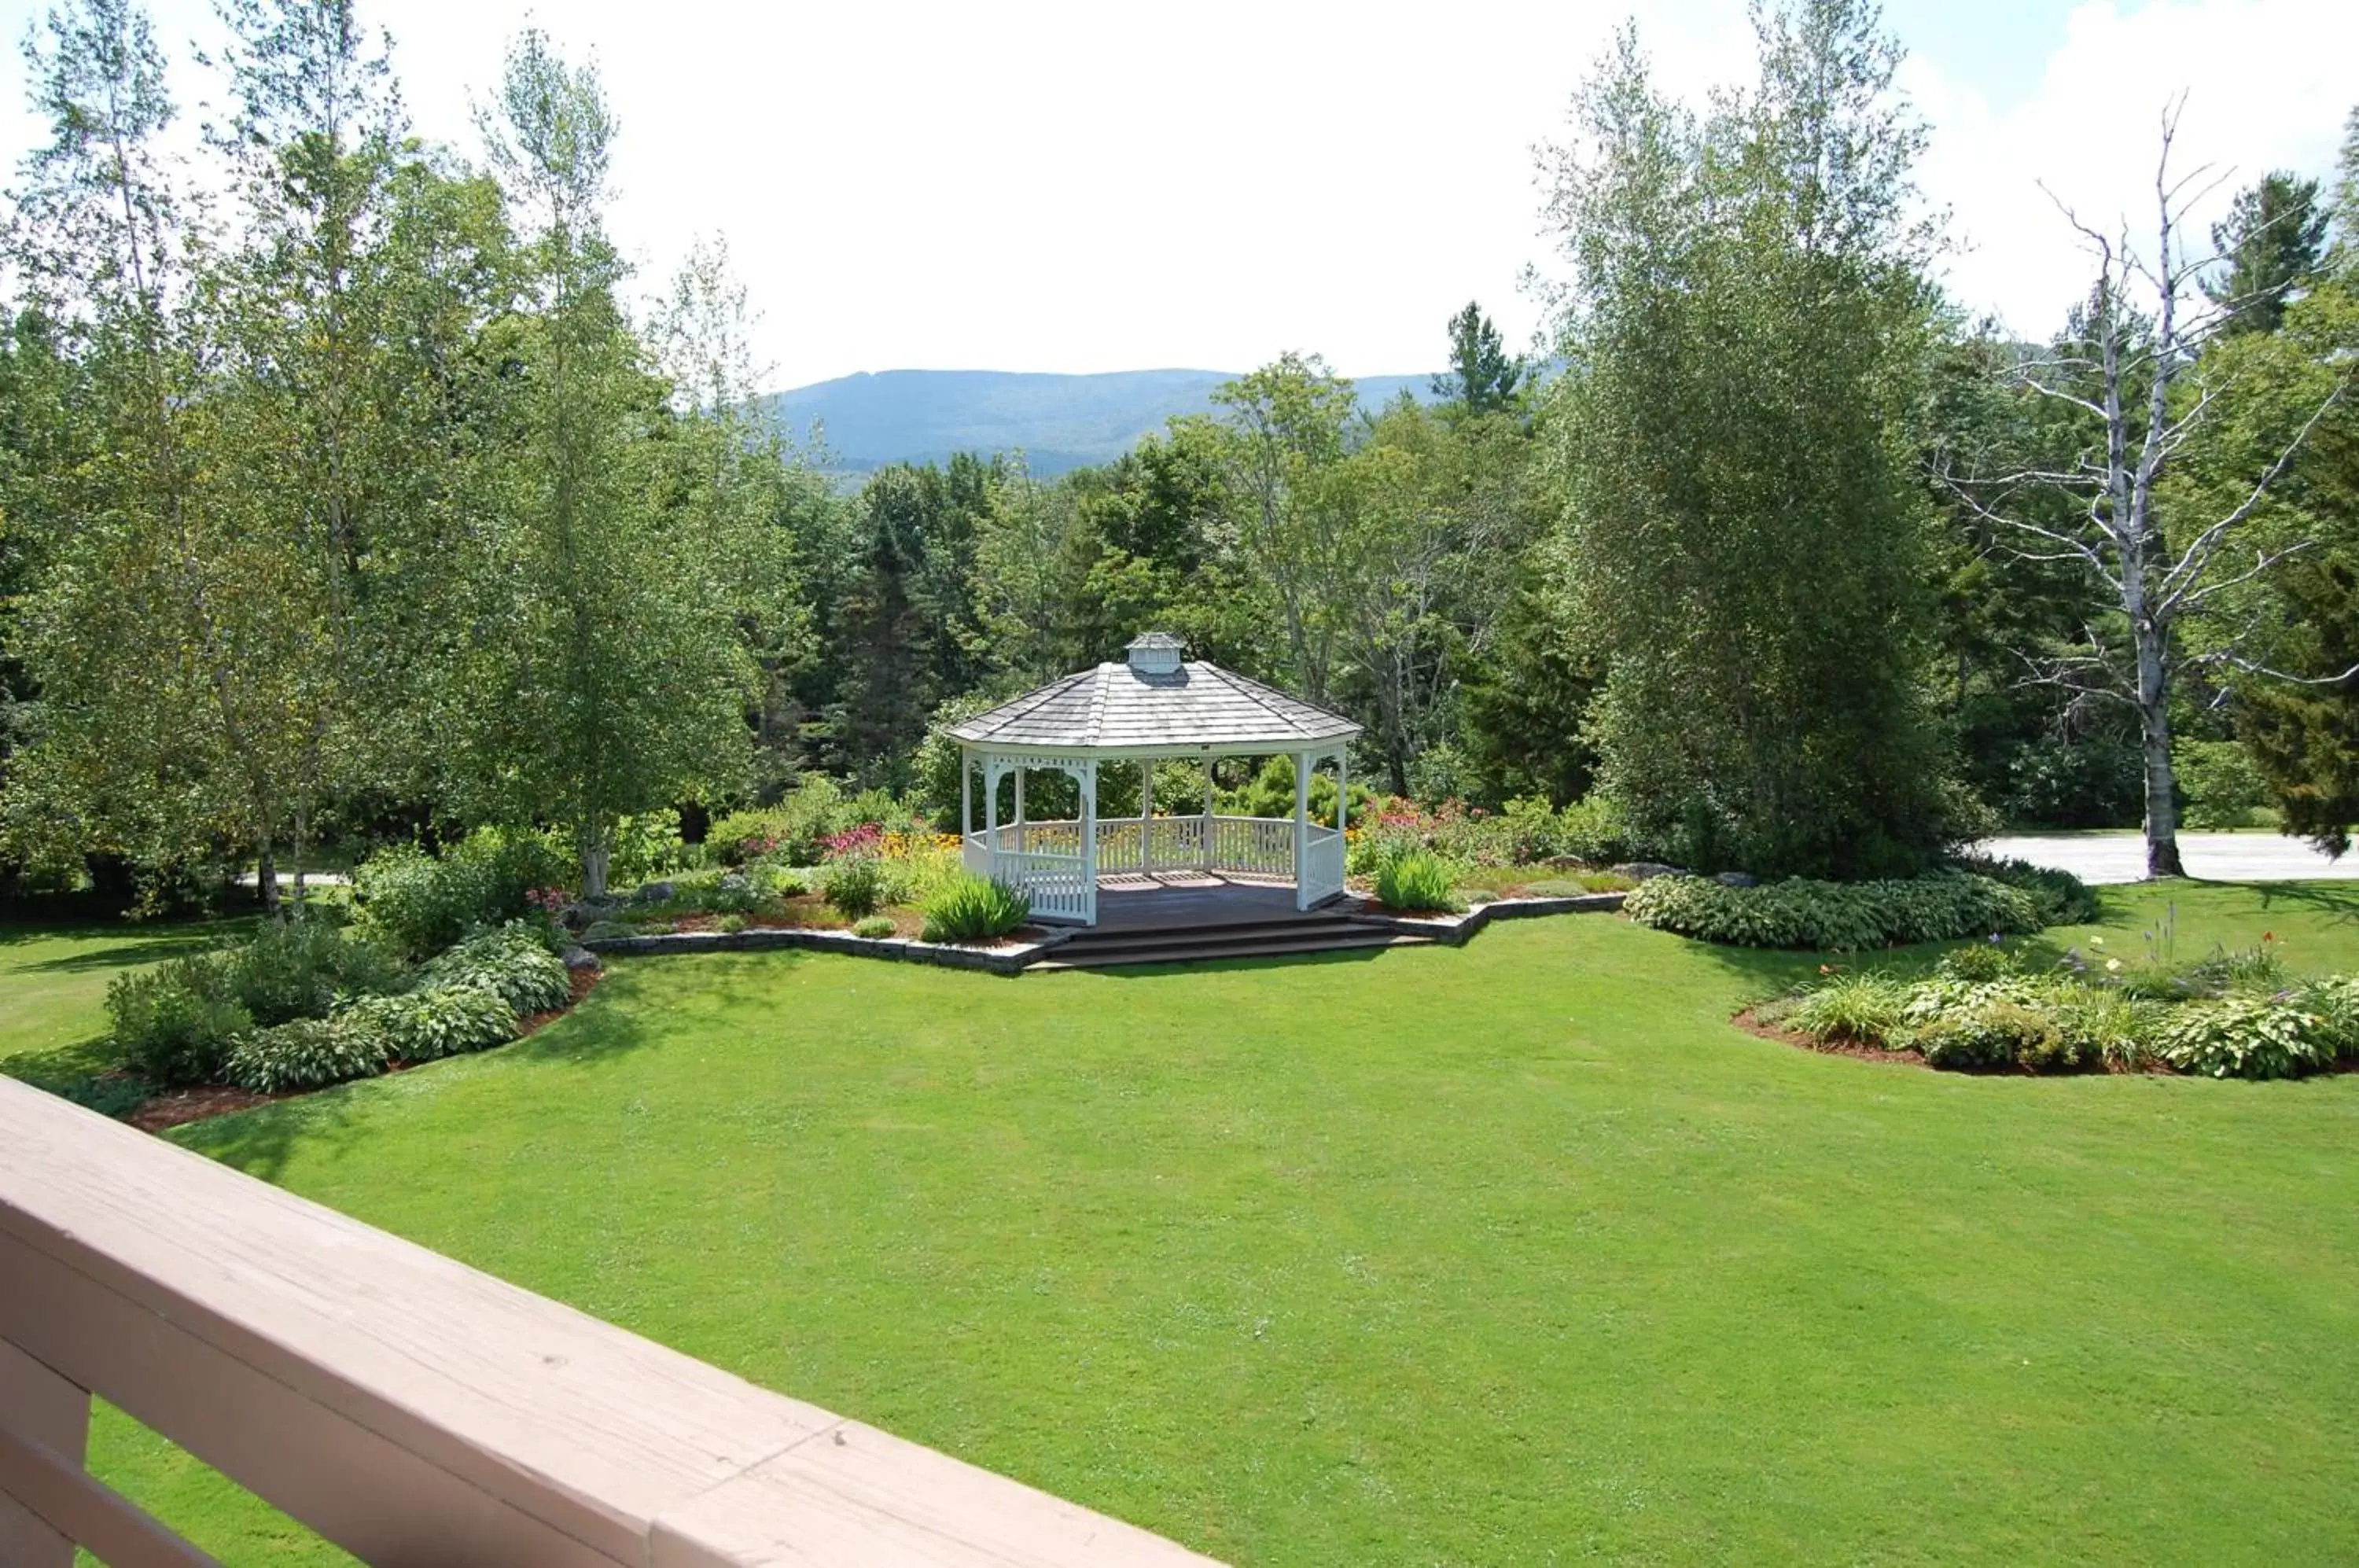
column 1516, row 1253
column 53, row 982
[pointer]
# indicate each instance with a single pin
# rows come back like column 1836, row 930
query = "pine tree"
column 1482, row 375
column 2270, row 241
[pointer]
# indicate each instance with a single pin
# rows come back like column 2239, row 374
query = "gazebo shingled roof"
column 1121, row 707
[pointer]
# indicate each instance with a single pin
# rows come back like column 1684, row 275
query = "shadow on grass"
column 2339, row 901
column 59, row 1063
column 123, row 956
column 1767, row 972
column 261, row 1141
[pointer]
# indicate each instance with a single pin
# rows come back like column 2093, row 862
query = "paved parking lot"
column 2214, row 856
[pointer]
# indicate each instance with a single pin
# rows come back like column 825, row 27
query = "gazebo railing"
column 1322, row 870
column 1150, row 844
column 1255, row 846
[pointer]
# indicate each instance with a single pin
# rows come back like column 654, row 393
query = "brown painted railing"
column 412, row 1410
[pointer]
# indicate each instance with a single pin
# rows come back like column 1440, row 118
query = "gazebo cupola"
column 1155, row 706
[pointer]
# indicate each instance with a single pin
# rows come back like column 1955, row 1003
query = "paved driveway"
column 2214, row 856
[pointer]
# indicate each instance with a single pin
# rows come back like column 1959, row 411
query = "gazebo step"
column 1226, row 926
column 1263, row 940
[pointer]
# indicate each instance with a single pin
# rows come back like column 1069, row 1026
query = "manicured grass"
column 1516, row 1253
column 53, row 980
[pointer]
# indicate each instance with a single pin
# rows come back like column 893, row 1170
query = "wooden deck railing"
column 412, row 1410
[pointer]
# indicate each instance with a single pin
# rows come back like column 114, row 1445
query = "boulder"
column 1736, row 879
column 580, row 958
column 1641, row 870
column 654, row 892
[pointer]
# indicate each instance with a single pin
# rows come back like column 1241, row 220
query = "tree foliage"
column 1744, row 540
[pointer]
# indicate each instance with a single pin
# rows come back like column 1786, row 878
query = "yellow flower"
column 2097, row 941
column 2112, row 966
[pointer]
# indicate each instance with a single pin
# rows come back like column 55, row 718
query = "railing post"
column 39, row 1406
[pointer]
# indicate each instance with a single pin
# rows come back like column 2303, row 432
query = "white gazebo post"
column 1146, row 815
column 1301, row 829
column 1089, row 840
column 1209, row 786
column 1343, row 789
column 1023, row 839
column 991, row 814
column 966, row 797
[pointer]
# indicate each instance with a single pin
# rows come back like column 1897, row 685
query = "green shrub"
column 1593, row 829
column 427, row 1025
column 877, row 926
column 512, row 963
column 418, row 904
column 1984, row 961
column 2062, row 898
column 645, row 847
column 975, row 908
column 1839, row 917
column 2222, row 785
column 713, row 892
column 297, row 969
column 1863, row 1007
column 1995, row 1036
column 1418, row 880
column 175, row 1023
column 306, row 1053
column 855, row 886
column 730, row 924
column 2248, row 1037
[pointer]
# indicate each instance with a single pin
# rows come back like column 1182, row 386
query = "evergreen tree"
column 2269, row 245
column 1483, row 375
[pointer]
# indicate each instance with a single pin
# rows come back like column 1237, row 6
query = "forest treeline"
column 349, row 489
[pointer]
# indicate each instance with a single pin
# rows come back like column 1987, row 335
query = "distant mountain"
column 1061, row 422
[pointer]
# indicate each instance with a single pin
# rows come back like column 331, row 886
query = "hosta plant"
column 427, row 1025
column 307, row 1053
column 512, row 963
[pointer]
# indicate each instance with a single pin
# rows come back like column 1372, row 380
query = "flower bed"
column 1992, row 1009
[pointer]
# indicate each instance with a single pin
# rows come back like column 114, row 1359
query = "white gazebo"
column 1154, row 707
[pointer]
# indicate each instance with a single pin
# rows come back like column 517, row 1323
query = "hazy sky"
column 1118, row 186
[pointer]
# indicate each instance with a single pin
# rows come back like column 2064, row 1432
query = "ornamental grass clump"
column 1416, row 882
column 1861, row 1008
column 975, row 909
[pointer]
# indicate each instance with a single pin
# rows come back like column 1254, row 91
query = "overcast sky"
column 1120, row 186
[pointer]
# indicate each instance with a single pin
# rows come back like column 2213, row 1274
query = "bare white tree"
column 2140, row 371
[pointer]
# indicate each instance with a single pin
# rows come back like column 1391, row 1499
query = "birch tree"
column 604, row 675
column 2138, row 373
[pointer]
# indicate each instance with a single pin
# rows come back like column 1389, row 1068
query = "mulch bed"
column 176, row 1107
column 1752, row 1025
